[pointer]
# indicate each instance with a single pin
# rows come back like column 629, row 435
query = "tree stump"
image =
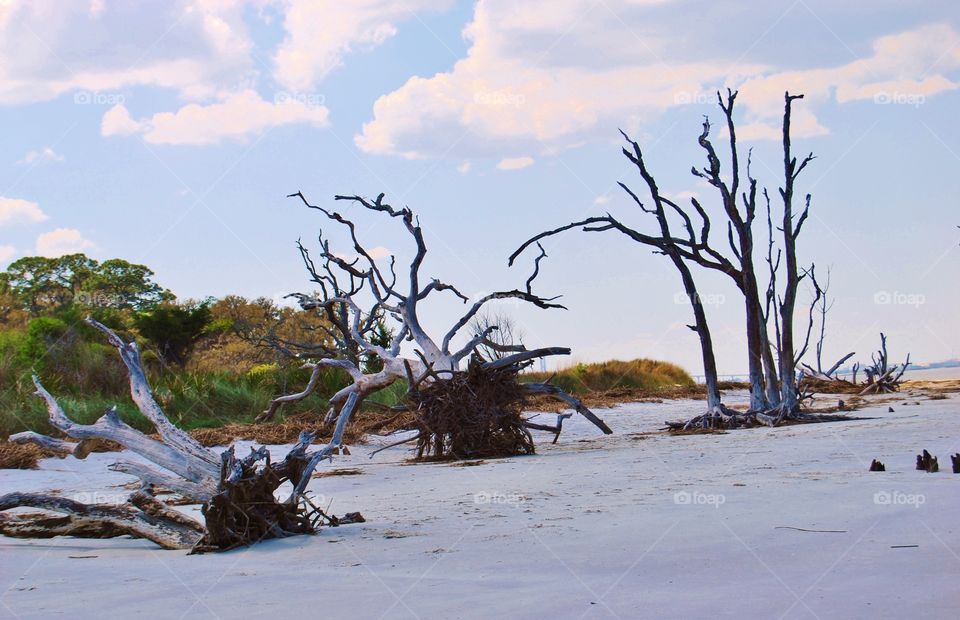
column 927, row 463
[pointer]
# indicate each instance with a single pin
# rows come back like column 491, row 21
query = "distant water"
column 921, row 374
column 933, row 374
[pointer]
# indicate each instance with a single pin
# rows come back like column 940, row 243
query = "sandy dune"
column 632, row 525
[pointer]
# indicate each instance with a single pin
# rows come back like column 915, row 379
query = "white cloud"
column 320, row 34
column 234, row 117
column 62, row 241
column 202, row 50
column 6, row 253
column 49, row 48
column 527, row 82
column 464, row 167
column 907, row 64
column 46, row 154
column 19, row 211
column 117, row 122
column 379, row 252
column 96, row 8
column 684, row 197
column 601, row 200
column 514, row 163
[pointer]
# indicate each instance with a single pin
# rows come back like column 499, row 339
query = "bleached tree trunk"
column 397, row 296
column 235, row 492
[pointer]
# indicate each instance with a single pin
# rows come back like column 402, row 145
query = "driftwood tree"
column 505, row 336
column 772, row 360
column 384, row 290
column 883, row 377
column 237, row 493
column 821, row 307
column 675, row 248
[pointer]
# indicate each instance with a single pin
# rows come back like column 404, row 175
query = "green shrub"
column 42, row 333
column 642, row 374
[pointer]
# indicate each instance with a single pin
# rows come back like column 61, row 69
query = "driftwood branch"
column 239, row 505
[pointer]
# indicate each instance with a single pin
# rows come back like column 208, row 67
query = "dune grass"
column 641, row 374
column 191, row 400
column 88, row 378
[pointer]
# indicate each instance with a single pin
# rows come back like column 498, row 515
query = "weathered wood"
column 143, row 517
column 576, row 404
column 882, row 378
column 142, row 395
column 239, row 505
column 149, row 476
column 58, row 446
column 556, row 429
column 397, row 295
column 774, row 393
column 927, row 462
column 112, row 428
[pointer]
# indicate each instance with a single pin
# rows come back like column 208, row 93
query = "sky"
column 169, row 133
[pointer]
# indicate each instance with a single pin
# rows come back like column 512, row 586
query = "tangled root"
column 473, row 414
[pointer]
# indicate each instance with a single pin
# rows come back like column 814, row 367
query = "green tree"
column 43, row 334
column 119, row 284
column 382, row 336
column 44, row 285
column 174, row 329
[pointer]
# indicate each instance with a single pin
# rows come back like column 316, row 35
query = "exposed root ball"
column 728, row 419
column 245, row 511
column 473, row 414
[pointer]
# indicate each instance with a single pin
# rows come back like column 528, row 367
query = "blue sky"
column 168, row 133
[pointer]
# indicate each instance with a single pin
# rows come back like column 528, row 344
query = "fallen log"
column 238, row 495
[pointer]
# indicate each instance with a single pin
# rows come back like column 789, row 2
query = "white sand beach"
column 632, row 525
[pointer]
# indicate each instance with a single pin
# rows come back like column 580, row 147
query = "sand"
column 633, row 525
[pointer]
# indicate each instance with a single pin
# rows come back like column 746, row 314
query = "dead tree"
column 239, row 505
column 882, row 377
column 504, row 335
column 773, row 378
column 677, row 250
column 820, row 379
column 774, row 394
column 397, row 297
